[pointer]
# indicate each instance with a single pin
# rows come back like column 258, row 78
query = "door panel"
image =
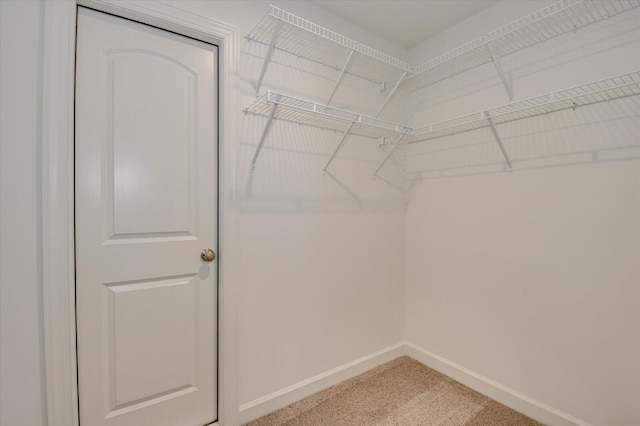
column 152, row 186
column 146, row 194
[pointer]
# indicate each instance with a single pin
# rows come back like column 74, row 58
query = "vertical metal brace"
column 264, row 133
column 267, row 58
column 342, row 141
column 393, row 91
column 344, row 68
column 505, row 81
column 391, row 151
column 498, row 139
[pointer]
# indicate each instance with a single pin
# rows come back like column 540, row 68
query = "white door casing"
column 146, row 205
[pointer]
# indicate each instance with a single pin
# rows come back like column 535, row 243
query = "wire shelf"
column 295, row 35
column 599, row 91
column 300, row 111
column 552, row 21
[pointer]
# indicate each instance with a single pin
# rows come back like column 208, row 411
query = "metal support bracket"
column 393, row 91
column 507, row 83
column 264, row 133
column 344, row 68
column 345, row 135
column 390, row 153
column 498, row 139
column 267, row 58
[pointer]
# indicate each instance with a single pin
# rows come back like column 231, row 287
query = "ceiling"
column 404, row 22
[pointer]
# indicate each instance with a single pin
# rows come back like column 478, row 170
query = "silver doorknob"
column 207, row 255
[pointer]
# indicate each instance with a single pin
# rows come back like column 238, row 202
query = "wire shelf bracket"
column 282, row 31
column 606, row 90
column 561, row 17
column 344, row 68
column 390, row 153
column 345, row 135
column 506, row 80
column 267, row 58
column 264, row 135
column 390, row 95
column 275, row 106
column 487, row 114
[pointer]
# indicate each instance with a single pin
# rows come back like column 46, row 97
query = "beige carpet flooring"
column 402, row 392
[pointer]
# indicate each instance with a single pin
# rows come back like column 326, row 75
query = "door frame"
column 58, row 252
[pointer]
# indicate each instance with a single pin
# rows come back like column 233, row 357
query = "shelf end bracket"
column 345, row 135
column 506, row 82
column 498, row 139
column 393, row 91
column 390, row 153
column 267, row 126
column 267, row 58
column 342, row 71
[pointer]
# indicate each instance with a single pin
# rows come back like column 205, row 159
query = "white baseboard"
column 509, row 397
column 268, row 403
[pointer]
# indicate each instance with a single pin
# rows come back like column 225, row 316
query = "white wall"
column 527, row 278
column 531, row 278
column 322, row 256
column 21, row 387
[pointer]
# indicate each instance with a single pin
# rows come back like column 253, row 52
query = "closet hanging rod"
column 276, row 106
column 559, row 18
column 283, row 31
column 305, row 112
column 605, row 90
column 290, row 23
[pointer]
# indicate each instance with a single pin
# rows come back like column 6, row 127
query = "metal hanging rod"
column 276, row 106
column 314, row 32
column 390, row 153
column 574, row 97
column 282, row 31
column 544, row 24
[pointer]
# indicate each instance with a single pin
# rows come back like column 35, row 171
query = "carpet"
column 402, row 392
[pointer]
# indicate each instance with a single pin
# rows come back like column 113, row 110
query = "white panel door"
column 146, row 207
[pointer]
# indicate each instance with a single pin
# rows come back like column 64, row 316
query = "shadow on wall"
column 288, row 176
column 296, row 76
column 596, row 133
column 605, row 132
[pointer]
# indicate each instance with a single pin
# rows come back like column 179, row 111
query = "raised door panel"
column 152, row 142
column 152, row 341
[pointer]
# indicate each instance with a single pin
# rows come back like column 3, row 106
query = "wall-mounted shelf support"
column 274, row 37
column 267, row 126
column 390, row 153
column 344, row 68
column 506, row 80
column 275, row 106
column 345, row 135
column 554, row 20
column 498, row 139
column 286, row 32
column 393, row 91
column 606, row 90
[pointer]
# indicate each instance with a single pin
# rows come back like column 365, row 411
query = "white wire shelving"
column 609, row 89
column 542, row 25
column 283, row 31
column 276, row 106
